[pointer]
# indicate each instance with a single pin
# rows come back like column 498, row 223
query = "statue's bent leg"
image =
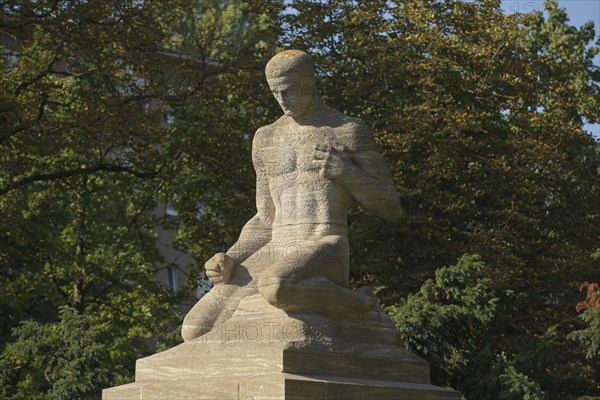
column 313, row 278
column 207, row 311
column 219, row 304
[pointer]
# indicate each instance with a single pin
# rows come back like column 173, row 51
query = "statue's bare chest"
column 291, row 152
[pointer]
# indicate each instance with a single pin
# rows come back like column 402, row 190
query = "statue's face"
column 294, row 98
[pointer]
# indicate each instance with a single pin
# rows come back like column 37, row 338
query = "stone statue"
column 280, row 321
column 311, row 165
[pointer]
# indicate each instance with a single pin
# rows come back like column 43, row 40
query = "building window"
column 173, row 278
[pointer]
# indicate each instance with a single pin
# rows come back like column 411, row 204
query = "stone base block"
column 280, row 386
column 262, row 353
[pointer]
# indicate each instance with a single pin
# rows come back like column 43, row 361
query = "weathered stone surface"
column 277, row 387
column 270, row 341
column 262, row 352
column 311, row 165
column 280, row 321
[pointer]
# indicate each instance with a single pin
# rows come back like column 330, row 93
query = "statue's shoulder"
column 347, row 123
column 353, row 132
column 357, row 126
column 264, row 133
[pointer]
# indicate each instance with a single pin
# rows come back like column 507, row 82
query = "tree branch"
column 129, row 315
column 10, row 108
column 57, row 284
column 69, row 173
column 7, row 135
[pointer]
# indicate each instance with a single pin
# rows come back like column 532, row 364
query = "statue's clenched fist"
column 219, row 268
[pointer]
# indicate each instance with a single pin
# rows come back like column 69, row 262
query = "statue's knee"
column 273, row 290
column 198, row 320
column 189, row 332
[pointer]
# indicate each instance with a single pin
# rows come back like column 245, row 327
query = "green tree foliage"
column 79, row 156
column 212, row 129
column 63, row 360
column 480, row 115
column 108, row 110
column 589, row 337
column 519, row 387
column 447, row 319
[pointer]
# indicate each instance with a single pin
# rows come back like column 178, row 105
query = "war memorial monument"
column 280, row 321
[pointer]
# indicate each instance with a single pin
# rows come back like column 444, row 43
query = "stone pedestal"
column 264, row 353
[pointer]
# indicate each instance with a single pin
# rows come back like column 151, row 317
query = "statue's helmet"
column 293, row 65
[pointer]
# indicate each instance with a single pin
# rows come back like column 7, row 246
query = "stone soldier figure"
column 311, row 165
column 280, row 322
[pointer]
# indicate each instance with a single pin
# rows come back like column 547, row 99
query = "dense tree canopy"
column 110, row 109
column 107, row 111
column 480, row 115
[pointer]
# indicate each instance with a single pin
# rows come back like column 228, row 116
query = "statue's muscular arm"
column 257, row 231
column 363, row 171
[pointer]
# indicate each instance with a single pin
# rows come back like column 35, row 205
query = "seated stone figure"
column 311, row 165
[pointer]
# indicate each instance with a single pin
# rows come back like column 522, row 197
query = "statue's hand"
column 219, row 268
column 333, row 161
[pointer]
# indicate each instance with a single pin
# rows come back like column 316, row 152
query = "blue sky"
column 579, row 12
